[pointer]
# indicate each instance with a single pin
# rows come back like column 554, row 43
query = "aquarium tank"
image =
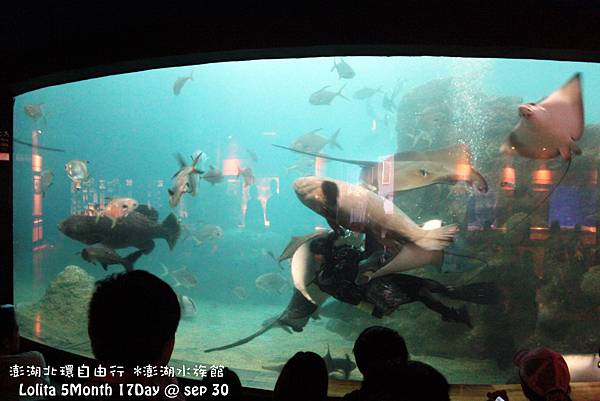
column 292, row 203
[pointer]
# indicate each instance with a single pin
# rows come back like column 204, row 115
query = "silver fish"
column 182, row 277
column 185, row 179
column 271, row 282
column 365, row 93
column 77, row 171
column 343, row 69
column 313, row 143
column 36, row 113
column 46, row 181
column 324, row 97
column 107, row 256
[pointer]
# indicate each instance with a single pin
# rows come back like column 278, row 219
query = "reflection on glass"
column 415, row 155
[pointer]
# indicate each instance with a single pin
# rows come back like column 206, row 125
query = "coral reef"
column 60, row 317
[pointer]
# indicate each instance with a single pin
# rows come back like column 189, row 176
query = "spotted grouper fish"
column 138, row 229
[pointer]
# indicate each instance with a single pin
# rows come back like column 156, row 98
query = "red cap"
column 543, row 370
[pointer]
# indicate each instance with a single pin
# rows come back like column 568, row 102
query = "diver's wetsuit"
column 386, row 293
column 338, row 274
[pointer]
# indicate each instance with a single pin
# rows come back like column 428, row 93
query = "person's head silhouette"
column 303, row 377
column 132, row 319
column 377, row 349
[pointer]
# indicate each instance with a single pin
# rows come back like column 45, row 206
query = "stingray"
column 549, row 128
column 411, row 170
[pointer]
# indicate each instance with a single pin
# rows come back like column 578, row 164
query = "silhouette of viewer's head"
column 9, row 330
column 422, row 382
column 303, row 377
column 132, row 319
column 377, row 349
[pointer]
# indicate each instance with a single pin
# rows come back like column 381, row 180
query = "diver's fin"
column 130, row 259
column 171, row 229
column 484, row 293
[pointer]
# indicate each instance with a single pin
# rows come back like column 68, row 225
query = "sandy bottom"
column 218, row 324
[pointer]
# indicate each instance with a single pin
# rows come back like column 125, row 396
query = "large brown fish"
column 138, row 229
column 343, row 205
column 550, row 127
column 411, row 170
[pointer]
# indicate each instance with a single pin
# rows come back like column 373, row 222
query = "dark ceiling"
column 42, row 42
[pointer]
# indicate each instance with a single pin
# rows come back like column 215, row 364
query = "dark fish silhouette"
column 107, row 256
column 252, row 154
column 178, row 85
column 138, row 229
column 365, row 93
column 213, row 175
column 324, row 97
column 343, row 69
column 344, row 365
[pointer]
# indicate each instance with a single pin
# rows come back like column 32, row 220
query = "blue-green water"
column 129, row 126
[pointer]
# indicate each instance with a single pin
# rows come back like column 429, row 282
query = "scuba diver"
column 341, row 264
column 339, row 267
